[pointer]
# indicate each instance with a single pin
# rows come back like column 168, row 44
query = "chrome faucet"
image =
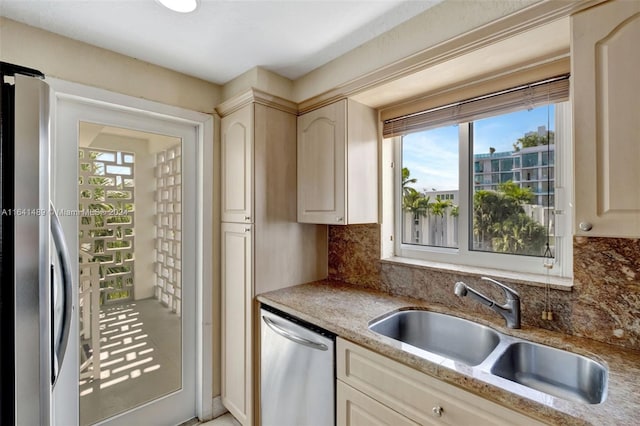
column 510, row 310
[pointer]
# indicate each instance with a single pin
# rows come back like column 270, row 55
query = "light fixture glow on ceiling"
column 181, row 6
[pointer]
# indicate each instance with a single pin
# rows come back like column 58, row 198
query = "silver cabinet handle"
column 294, row 338
column 339, row 219
column 60, row 347
column 247, row 218
column 437, row 411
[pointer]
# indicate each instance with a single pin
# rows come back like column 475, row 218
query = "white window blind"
column 531, row 95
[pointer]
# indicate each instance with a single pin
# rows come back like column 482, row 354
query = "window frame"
column 462, row 257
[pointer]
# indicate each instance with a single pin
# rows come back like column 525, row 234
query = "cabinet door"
column 356, row 409
column 321, row 165
column 606, row 84
column 237, row 279
column 237, row 165
column 417, row 396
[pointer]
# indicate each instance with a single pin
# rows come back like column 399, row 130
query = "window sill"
column 537, row 280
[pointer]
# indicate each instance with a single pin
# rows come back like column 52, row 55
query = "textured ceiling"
column 221, row 39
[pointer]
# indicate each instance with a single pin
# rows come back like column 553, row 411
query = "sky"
column 432, row 155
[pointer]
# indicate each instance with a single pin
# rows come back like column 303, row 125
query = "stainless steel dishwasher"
column 297, row 372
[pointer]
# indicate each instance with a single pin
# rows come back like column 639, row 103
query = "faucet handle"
column 509, row 293
column 460, row 289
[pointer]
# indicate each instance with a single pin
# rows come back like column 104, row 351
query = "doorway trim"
column 203, row 125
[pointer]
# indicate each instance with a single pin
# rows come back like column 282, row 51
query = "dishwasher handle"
column 287, row 334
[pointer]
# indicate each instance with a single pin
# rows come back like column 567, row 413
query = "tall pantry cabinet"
column 263, row 247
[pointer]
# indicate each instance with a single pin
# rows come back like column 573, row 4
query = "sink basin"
column 553, row 371
column 441, row 334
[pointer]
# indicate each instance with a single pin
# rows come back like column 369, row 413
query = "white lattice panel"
column 168, row 287
column 106, row 210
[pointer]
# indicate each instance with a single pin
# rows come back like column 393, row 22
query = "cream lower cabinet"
column 357, row 409
column 237, row 276
column 374, row 390
column 605, row 58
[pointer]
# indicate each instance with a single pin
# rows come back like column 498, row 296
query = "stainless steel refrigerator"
column 35, row 270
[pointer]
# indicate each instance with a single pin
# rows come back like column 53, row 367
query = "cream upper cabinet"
column 338, row 165
column 606, row 116
column 236, row 150
column 402, row 395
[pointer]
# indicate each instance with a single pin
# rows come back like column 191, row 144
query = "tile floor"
column 140, row 356
column 226, row 420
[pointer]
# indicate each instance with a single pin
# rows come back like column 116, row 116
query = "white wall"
column 442, row 22
column 71, row 60
column 434, row 26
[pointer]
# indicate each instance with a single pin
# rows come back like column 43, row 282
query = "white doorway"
column 128, row 183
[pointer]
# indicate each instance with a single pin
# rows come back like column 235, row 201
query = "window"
column 530, row 160
column 506, row 164
column 462, row 200
column 427, row 218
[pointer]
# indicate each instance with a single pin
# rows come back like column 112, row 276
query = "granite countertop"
column 346, row 311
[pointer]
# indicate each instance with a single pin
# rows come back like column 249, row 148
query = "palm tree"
column 406, row 180
column 418, row 205
column 513, row 190
column 439, row 209
column 455, row 213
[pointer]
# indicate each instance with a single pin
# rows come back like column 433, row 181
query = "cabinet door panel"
column 321, row 165
column 237, row 165
column 237, row 271
column 356, row 409
column 606, row 121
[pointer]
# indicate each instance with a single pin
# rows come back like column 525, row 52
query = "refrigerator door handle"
column 293, row 337
column 60, row 346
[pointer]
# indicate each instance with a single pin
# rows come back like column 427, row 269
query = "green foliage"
column 118, row 244
column 533, row 140
column 406, row 180
column 519, row 234
column 514, row 191
column 420, row 205
column 416, row 203
column 501, row 225
column 119, row 194
column 440, row 207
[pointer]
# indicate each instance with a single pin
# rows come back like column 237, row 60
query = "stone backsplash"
column 604, row 303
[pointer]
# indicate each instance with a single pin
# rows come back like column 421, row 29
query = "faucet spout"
column 510, row 311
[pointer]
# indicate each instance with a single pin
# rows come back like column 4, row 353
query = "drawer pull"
column 437, row 411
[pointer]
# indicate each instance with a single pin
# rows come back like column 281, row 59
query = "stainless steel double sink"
column 548, row 370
